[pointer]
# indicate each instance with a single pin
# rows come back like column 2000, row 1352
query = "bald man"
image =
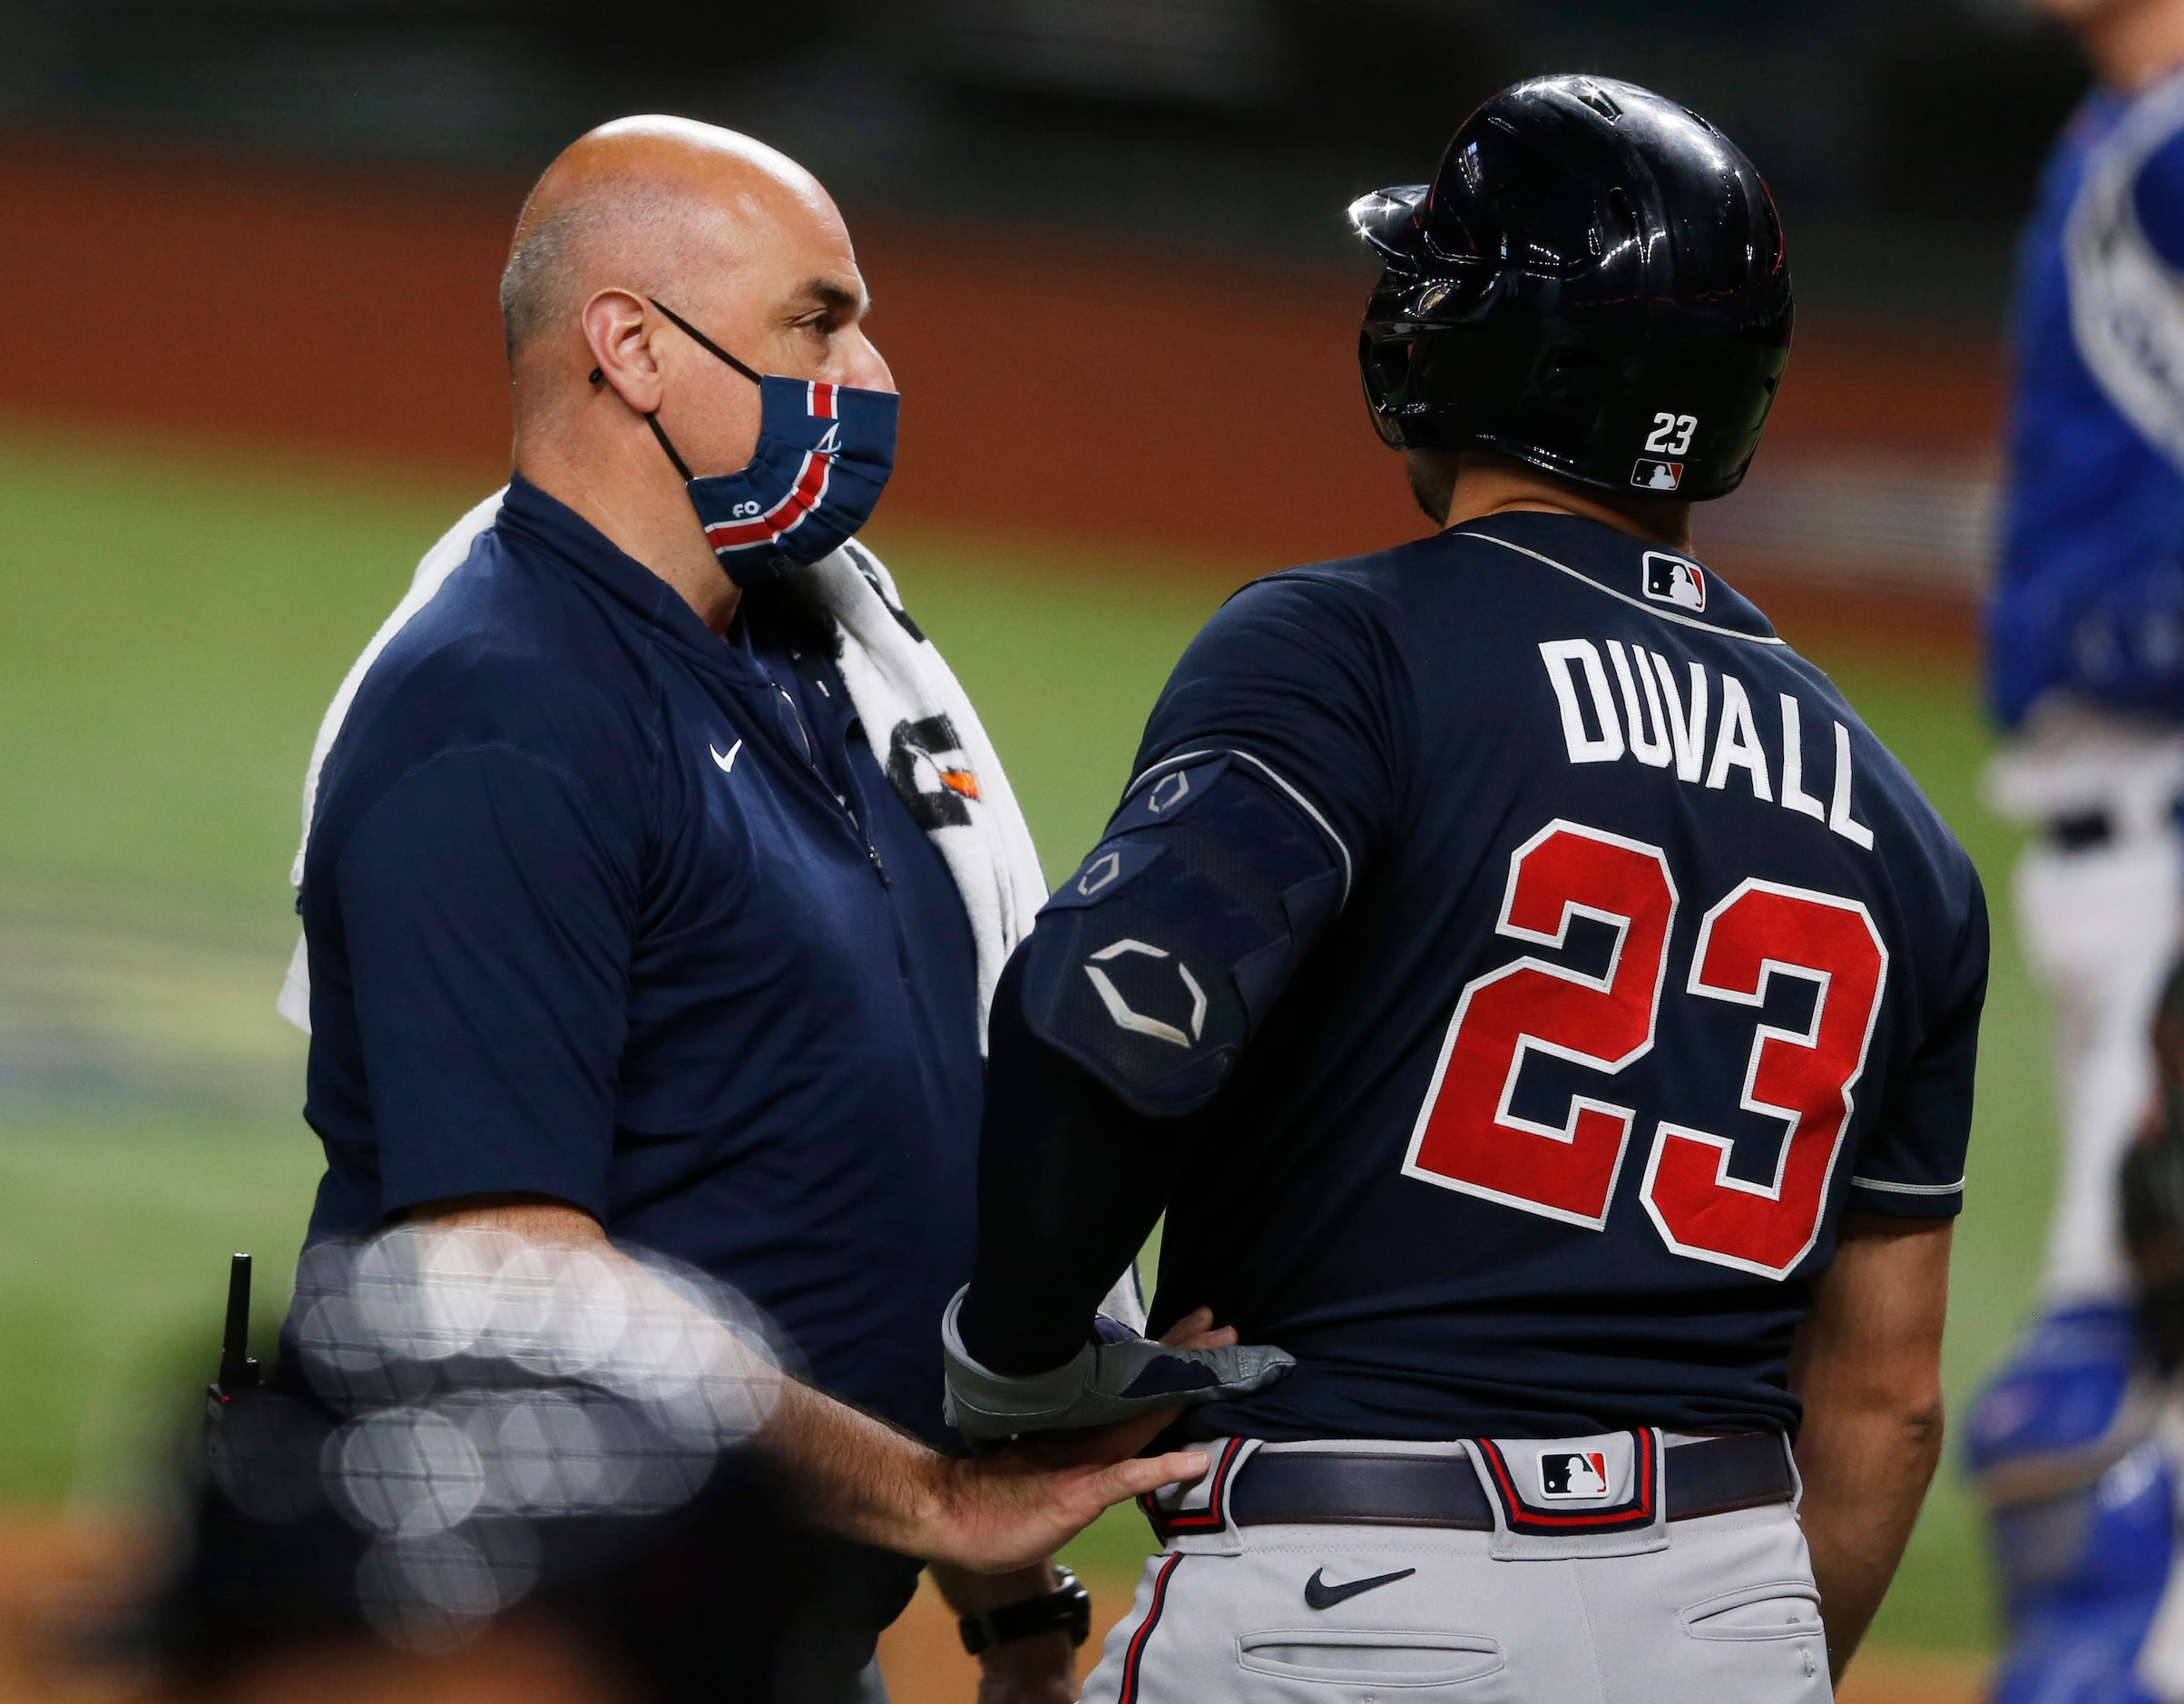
column 616, row 925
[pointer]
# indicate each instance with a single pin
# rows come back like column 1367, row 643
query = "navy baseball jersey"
column 1635, row 961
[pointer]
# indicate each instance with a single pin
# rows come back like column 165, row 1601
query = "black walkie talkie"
column 238, row 1371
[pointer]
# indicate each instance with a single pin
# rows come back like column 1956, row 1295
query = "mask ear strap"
column 660, row 432
column 706, row 343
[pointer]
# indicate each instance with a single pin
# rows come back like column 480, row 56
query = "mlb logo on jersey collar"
column 1668, row 579
column 1609, row 560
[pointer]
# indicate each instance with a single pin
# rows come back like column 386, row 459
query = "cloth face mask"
column 824, row 454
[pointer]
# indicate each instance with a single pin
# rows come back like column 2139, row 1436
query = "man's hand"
column 997, row 1512
column 1867, row 1366
column 1043, row 1669
column 868, row 1482
column 990, row 1515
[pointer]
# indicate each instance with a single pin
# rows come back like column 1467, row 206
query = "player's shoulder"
column 1489, row 577
column 1422, row 594
column 1354, row 590
column 1338, row 616
column 1601, row 605
column 1378, row 583
column 1454, row 624
column 1548, row 568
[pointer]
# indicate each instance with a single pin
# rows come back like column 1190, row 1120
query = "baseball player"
column 2085, row 635
column 1539, row 1004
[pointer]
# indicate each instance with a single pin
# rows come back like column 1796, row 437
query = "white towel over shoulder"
column 921, row 727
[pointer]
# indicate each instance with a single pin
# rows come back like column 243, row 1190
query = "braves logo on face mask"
column 823, row 457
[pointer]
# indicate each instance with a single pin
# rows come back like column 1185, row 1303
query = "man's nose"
column 867, row 368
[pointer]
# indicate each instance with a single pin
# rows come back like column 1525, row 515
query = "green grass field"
column 172, row 628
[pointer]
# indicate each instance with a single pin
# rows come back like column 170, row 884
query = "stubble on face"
column 1433, row 481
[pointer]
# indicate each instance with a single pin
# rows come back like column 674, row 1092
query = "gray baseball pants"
column 1718, row 1610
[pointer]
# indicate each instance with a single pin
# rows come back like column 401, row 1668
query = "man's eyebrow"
column 833, row 294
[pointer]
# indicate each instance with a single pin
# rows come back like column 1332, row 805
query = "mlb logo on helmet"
column 1652, row 476
column 1672, row 579
column 1565, row 1474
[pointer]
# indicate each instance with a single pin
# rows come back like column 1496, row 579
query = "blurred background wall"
column 1075, row 209
column 1212, row 122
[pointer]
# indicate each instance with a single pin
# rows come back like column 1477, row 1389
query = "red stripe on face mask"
column 810, row 486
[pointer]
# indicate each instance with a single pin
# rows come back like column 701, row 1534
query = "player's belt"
column 2082, row 832
column 1346, row 1488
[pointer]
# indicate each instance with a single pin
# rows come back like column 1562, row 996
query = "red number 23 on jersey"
column 1467, row 1138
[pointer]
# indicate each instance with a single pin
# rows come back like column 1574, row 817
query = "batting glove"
column 1121, row 1376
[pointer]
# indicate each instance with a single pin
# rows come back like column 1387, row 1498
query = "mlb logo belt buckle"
column 1339, row 1486
column 1570, row 1474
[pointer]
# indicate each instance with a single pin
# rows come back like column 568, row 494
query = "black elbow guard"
column 1157, row 961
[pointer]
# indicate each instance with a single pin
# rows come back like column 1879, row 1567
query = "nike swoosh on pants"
column 1320, row 1595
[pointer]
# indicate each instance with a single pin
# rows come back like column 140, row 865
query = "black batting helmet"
column 1593, row 283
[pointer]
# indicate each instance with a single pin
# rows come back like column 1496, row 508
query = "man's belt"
column 1349, row 1488
column 2082, row 832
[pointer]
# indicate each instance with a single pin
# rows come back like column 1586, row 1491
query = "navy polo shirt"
column 604, row 908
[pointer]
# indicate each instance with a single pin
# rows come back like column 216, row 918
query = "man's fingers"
column 1009, row 1514
column 1055, row 1451
column 1196, row 1330
column 1135, row 1478
column 1125, row 1438
column 1178, row 1335
column 1095, row 1446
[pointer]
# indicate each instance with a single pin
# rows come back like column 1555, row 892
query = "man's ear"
column 619, row 336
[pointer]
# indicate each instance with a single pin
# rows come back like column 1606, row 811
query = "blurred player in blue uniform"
column 2085, row 633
